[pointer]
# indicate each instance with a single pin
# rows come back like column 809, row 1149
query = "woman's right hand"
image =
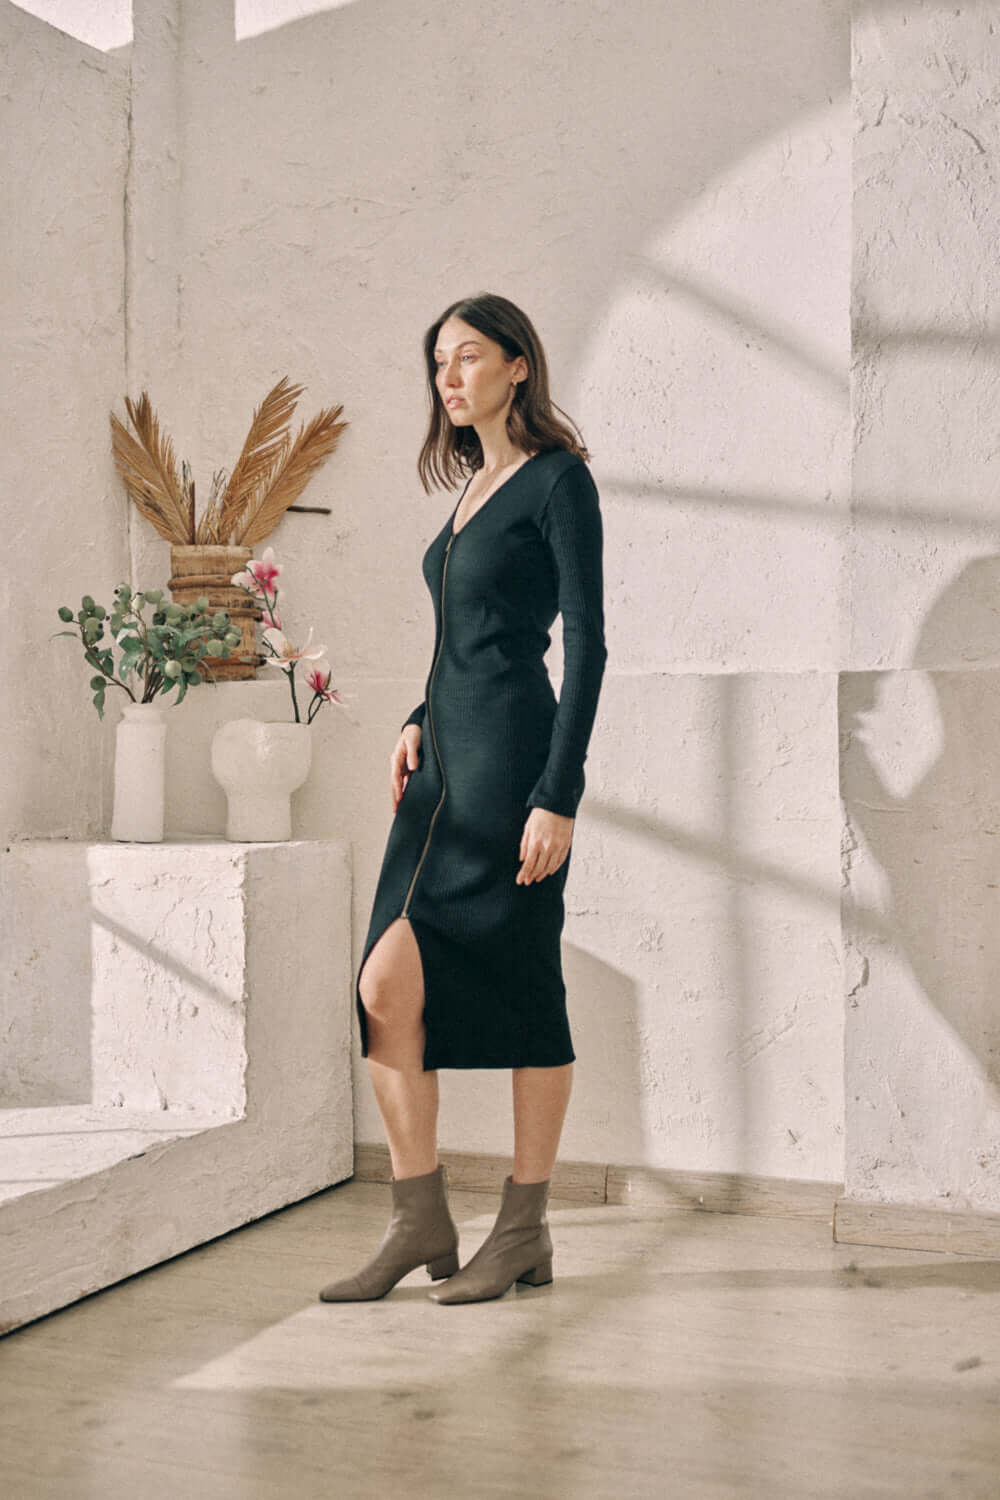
column 404, row 760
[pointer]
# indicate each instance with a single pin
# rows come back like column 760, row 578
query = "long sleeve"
column 417, row 716
column 571, row 525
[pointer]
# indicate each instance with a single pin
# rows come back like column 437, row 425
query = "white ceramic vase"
column 140, row 760
column 259, row 766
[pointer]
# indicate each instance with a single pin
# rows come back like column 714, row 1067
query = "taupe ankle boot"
column 517, row 1248
column 421, row 1230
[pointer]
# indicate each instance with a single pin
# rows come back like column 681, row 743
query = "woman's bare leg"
column 392, row 992
column 541, row 1096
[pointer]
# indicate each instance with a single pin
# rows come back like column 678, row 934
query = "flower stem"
column 291, row 684
column 91, row 657
column 269, row 606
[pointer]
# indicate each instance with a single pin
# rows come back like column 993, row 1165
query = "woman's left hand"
column 544, row 844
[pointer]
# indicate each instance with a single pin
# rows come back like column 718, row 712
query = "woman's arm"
column 571, row 525
column 417, row 716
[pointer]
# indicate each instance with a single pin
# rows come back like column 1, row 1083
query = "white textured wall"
column 63, row 160
column 666, row 190
column 920, row 712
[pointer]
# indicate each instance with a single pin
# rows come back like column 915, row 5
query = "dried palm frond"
column 262, row 453
column 149, row 470
column 269, row 475
column 188, row 493
column 313, row 445
column 209, row 529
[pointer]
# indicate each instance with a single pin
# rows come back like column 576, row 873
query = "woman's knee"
column 388, row 999
column 391, row 980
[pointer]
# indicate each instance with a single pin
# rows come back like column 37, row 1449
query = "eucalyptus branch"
column 163, row 654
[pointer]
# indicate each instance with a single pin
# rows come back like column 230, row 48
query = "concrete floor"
column 675, row 1355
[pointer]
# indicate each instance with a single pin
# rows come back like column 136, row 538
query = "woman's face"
column 473, row 379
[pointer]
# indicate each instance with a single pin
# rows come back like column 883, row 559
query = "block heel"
column 445, row 1265
column 540, row 1276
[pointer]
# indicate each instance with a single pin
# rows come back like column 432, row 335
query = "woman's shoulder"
column 554, row 463
column 564, row 477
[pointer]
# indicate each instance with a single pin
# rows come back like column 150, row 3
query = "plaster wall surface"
column 919, row 708
column 686, row 262
column 64, row 111
column 666, row 191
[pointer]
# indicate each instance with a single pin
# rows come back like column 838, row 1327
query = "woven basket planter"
column 209, row 570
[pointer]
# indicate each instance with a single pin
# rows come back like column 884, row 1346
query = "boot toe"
column 344, row 1291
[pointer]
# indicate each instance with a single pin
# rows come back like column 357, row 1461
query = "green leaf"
column 65, row 613
column 98, row 682
column 99, row 704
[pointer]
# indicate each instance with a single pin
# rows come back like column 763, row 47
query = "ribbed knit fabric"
column 496, row 743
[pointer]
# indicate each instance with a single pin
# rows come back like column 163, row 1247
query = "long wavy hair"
column 450, row 453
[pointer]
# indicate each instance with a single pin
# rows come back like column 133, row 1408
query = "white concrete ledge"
column 217, row 982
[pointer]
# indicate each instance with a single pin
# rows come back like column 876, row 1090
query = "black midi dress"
column 495, row 744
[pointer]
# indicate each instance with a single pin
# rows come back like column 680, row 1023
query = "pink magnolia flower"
column 285, row 655
column 318, row 678
column 259, row 574
column 265, row 571
column 258, row 578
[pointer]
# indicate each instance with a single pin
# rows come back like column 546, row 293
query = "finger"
column 396, row 775
column 555, row 858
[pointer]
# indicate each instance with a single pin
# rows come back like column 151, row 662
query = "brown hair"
column 449, row 453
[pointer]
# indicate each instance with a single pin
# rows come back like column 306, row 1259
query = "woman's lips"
column 455, row 400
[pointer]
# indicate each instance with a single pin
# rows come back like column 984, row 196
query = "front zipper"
column 430, row 719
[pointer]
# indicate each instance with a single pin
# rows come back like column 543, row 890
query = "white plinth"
column 178, row 1019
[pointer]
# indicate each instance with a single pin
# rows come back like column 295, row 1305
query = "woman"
column 462, row 962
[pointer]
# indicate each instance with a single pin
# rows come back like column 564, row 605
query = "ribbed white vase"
column 259, row 766
column 140, row 769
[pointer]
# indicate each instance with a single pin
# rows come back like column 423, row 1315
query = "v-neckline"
column 491, row 496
